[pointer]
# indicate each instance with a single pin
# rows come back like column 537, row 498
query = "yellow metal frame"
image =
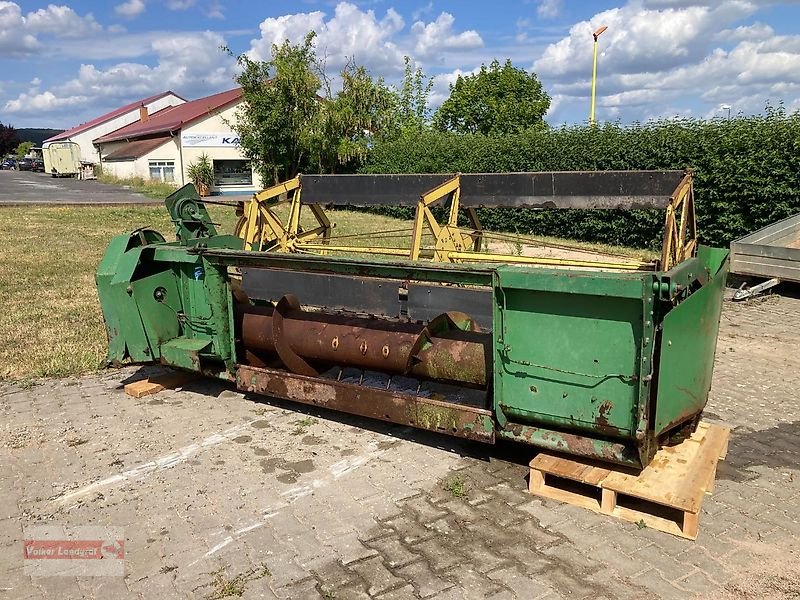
column 680, row 226
column 263, row 230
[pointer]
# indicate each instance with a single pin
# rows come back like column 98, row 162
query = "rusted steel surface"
column 293, row 362
column 386, row 405
column 388, row 347
column 570, row 443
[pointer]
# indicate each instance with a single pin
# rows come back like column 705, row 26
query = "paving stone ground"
column 218, row 492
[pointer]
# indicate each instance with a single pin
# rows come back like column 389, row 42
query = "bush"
column 747, row 172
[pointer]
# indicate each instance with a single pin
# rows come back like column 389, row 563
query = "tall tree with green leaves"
column 363, row 111
column 23, row 148
column 276, row 121
column 412, row 98
column 285, row 126
column 497, row 100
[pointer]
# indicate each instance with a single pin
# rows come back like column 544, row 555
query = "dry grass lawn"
column 50, row 319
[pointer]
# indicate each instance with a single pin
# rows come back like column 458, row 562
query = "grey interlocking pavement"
column 222, row 493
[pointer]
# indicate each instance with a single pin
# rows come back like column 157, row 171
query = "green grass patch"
column 146, row 187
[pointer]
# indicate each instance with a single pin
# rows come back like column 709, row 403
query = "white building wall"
column 216, row 124
column 183, row 155
column 140, row 167
column 84, row 138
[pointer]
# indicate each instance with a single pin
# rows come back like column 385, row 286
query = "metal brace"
column 744, row 292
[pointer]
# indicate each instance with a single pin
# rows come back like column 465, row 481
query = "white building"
column 84, row 134
column 161, row 145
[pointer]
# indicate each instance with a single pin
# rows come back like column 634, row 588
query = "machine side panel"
column 688, row 343
column 569, row 358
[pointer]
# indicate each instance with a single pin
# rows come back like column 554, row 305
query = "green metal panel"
column 184, row 353
column 568, row 348
column 155, row 293
column 158, row 316
column 688, row 343
column 124, row 327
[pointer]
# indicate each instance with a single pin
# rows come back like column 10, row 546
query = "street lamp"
column 595, row 35
column 726, row 107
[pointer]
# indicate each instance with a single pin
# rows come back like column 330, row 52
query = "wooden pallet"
column 666, row 495
column 153, row 385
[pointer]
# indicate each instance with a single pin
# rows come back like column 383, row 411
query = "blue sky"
column 62, row 64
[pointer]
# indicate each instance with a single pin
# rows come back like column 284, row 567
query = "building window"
column 162, row 170
column 232, row 172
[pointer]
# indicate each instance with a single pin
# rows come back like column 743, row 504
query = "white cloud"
column 379, row 43
column 442, row 82
column 756, row 31
column 438, row 36
column 215, row 11
column 549, row 9
column 61, row 21
column 422, row 11
column 349, row 34
column 42, row 103
column 19, row 34
column 184, row 64
column 130, row 8
column 180, row 4
column 15, row 40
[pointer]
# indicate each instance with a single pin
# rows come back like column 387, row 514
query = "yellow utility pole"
column 595, row 35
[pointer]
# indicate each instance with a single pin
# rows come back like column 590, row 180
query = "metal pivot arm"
column 262, row 229
column 447, row 238
column 680, row 225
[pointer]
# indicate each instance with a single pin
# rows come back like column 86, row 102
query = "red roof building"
column 162, row 145
column 85, row 133
column 171, row 119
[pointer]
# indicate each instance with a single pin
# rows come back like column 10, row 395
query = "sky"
column 63, row 64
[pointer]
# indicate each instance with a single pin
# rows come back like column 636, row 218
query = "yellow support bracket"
column 447, row 237
column 680, row 226
column 262, row 229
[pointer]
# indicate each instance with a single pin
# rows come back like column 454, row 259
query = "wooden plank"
column 540, row 487
column 153, row 385
column 569, row 469
column 678, row 475
column 665, row 496
column 653, row 521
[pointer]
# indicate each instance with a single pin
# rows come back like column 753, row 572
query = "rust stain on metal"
column 602, row 414
column 407, row 409
column 386, row 346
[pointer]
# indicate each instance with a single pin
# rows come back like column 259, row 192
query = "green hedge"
column 747, row 172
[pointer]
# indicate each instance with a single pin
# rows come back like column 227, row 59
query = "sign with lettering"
column 209, row 140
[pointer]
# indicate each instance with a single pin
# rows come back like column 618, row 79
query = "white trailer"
column 62, row 158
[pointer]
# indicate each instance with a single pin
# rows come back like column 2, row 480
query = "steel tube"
column 371, row 344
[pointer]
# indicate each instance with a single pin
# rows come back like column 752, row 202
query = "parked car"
column 25, row 164
column 38, row 165
column 8, row 164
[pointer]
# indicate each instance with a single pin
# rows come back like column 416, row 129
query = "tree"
column 362, row 112
column 281, row 106
column 8, row 139
column 285, row 126
column 412, row 98
column 23, row 148
column 498, row 100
